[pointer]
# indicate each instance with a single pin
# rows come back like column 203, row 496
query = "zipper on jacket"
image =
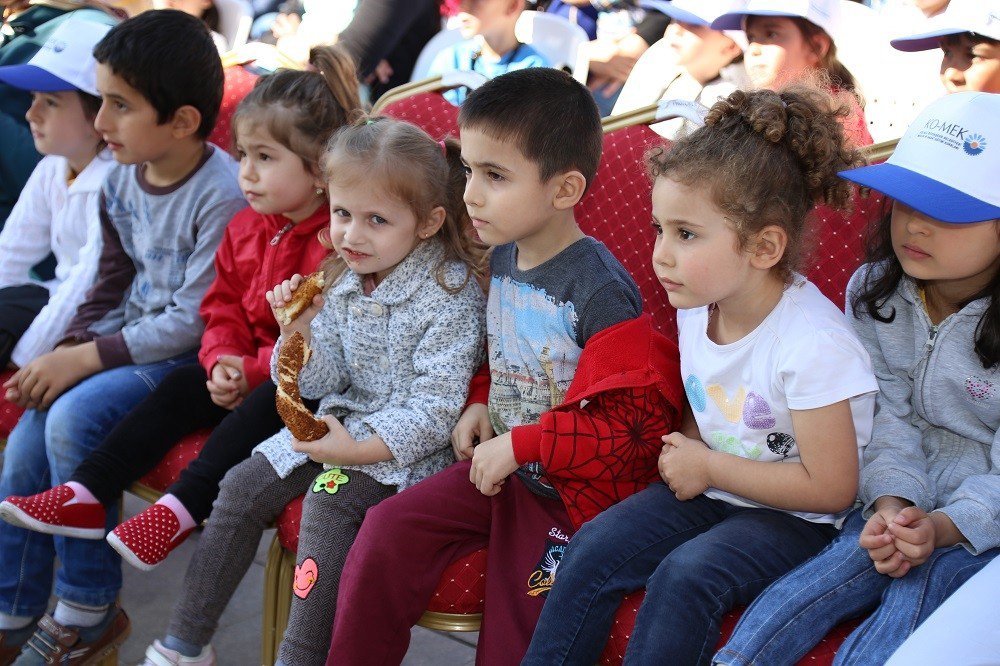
column 281, row 232
column 931, row 340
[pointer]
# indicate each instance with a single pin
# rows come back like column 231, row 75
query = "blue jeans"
column 44, row 450
column 795, row 613
column 697, row 559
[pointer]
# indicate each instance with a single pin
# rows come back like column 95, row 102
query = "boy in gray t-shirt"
column 165, row 208
column 562, row 321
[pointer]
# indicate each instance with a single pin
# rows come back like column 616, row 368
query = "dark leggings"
column 178, row 407
column 18, row 308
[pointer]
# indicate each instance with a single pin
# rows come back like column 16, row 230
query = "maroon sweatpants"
column 407, row 541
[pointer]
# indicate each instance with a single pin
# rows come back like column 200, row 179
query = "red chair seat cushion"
column 624, row 622
column 167, row 470
column 9, row 412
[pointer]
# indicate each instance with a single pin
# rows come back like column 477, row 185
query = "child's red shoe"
column 56, row 511
column 145, row 539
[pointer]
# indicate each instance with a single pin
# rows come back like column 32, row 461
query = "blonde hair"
column 416, row 170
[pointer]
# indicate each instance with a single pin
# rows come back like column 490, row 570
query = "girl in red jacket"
column 281, row 128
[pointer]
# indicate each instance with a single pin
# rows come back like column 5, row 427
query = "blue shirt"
column 466, row 56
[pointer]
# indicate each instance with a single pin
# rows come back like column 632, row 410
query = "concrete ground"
column 149, row 597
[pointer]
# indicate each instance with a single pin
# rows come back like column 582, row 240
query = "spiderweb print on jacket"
column 600, row 454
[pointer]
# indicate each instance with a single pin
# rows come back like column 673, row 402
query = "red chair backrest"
column 617, row 211
column 429, row 111
column 238, row 83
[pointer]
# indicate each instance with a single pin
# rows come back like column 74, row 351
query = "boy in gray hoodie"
column 164, row 209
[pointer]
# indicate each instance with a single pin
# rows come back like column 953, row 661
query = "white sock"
column 72, row 614
column 179, row 510
column 83, row 496
column 13, row 622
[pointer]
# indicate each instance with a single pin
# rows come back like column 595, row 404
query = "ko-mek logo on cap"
column 953, row 135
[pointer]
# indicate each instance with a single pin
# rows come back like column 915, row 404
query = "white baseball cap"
column 946, row 164
column 979, row 16
column 824, row 13
column 698, row 12
column 64, row 62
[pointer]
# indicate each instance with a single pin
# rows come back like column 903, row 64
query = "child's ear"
column 769, row 247
column 514, row 6
column 432, row 224
column 821, row 44
column 571, row 186
column 185, row 121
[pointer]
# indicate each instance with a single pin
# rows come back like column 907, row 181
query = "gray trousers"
column 251, row 496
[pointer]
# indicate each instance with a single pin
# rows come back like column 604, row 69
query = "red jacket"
column 602, row 443
column 256, row 253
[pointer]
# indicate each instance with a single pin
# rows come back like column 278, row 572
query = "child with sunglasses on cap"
column 692, row 62
column 57, row 211
column 927, row 308
column 968, row 32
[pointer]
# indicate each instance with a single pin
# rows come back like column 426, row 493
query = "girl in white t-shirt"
column 780, row 391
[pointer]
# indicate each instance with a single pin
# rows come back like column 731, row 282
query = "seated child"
column 692, row 62
column 780, row 393
column 490, row 47
column 927, row 308
column 581, row 388
column 281, row 128
column 58, row 208
column 203, row 9
column 392, row 350
column 791, row 41
column 968, row 32
column 163, row 211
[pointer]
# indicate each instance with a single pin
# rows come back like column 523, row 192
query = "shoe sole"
column 127, row 553
column 16, row 516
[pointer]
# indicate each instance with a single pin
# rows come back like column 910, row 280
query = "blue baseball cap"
column 946, row 165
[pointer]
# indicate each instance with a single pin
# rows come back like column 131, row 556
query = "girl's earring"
column 320, row 191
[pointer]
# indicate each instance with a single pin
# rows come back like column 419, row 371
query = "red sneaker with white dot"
column 56, row 511
column 145, row 539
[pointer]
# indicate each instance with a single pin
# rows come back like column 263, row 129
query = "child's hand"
column 227, row 386
column 237, row 374
column 875, row 538
column 281, row 295
column 683, row 465
column 47, row 377
column 492, row 462
column 336, row 447
column 914, row 534
column 473, row 425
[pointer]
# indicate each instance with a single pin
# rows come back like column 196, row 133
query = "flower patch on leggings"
column 330, row 481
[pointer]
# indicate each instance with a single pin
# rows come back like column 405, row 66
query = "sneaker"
column 52, row 643
column 145, row 539
column 55, row 512
column 158, row 655
column 11, row 642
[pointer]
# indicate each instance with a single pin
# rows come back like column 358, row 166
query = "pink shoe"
column 55, row 511
column 145, row 540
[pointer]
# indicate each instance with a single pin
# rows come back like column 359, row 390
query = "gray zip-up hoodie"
column 934, row 442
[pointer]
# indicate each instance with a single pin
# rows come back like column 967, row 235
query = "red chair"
column 238, row 83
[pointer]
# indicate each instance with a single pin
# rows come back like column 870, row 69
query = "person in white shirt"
column 692, row 62
column 57, row 211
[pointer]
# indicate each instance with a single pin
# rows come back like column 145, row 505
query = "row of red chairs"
column 617, row 211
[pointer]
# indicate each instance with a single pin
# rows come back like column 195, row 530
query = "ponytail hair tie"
column 444, row 148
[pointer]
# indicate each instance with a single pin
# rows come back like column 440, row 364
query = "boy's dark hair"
column 170, row 58
column 548, row 116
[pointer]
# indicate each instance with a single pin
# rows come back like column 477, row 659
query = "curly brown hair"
column 767, row 158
